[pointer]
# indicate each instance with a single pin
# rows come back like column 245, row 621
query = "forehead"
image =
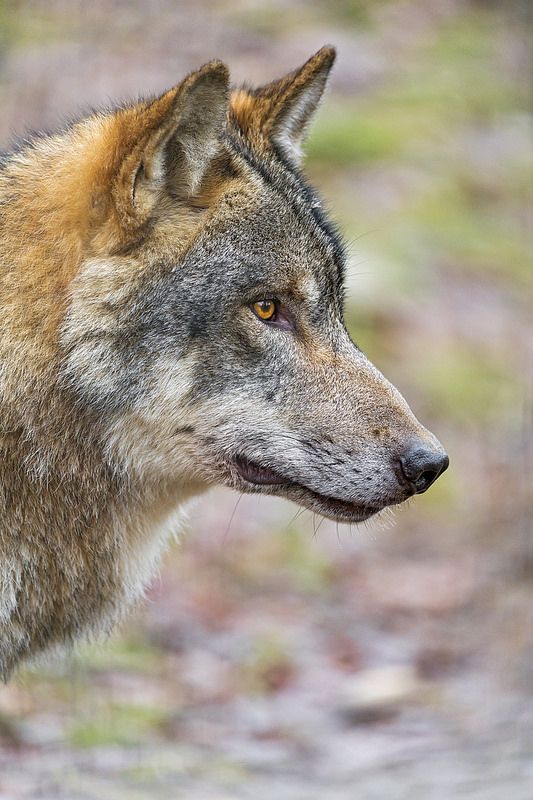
column 278, row 227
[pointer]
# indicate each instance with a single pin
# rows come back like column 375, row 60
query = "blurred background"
column 278, row 655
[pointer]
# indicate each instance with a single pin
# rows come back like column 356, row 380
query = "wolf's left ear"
column 169, row 142
column 281, row 111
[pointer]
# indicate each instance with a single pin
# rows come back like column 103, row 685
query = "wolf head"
column 203, row 327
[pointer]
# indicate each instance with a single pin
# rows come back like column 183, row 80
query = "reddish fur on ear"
column 279, row 112
column 192, row 114
column 138, row 133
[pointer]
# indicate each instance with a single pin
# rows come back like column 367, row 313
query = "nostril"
column 425, row 480
column 421, row 467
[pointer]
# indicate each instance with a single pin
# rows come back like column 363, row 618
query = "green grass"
column 309, row 571
column 131, row 653
column 117, row 724
column 348, row 135
column 448, row 81
column 22, row 26
column 468, row 386
column 473, row 234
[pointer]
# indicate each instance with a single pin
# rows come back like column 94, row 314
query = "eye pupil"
column 265, row 309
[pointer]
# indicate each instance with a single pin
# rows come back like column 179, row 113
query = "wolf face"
column 230, row 362
column 171, row 293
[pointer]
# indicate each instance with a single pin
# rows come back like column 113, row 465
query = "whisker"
column 295, row 517
column 241, row 495
column 319, row 524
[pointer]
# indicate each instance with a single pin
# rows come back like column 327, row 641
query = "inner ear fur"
column 168, row 143
column 280, row 112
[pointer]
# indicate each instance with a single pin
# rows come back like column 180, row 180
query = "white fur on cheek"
column 146, row 440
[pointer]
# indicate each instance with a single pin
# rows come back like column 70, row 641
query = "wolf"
column 171, row 296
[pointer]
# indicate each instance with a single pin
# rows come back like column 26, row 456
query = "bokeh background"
column 280, row 656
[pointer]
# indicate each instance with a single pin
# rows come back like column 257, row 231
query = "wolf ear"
column 169, row 142
column 282, row 110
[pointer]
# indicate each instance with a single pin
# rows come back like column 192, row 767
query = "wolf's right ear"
column 168, row 142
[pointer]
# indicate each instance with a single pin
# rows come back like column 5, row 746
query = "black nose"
column 421, row 466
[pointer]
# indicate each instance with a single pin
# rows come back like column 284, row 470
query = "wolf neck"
column 87, row 544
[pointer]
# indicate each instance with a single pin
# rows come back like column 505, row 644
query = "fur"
column 134, row 374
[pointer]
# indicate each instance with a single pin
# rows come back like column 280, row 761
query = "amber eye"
column 265, row 309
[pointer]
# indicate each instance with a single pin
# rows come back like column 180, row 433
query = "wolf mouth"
column 331, row 507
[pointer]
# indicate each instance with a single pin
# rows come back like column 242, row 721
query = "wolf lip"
column 331, row 507
column 254, row 473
